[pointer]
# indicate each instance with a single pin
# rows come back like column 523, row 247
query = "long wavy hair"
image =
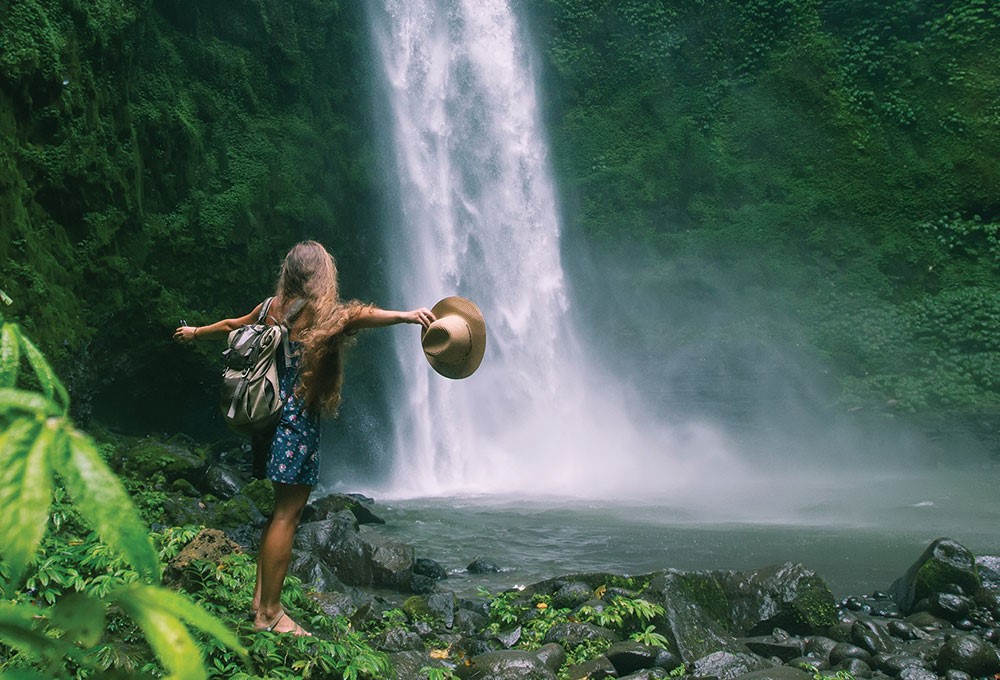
column 309, row 273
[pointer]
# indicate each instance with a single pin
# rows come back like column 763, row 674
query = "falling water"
column 479, row 218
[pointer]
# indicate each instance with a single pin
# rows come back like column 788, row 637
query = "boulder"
column 944, row 563
column 629, row 657
column 210, row 545
column 786, row 595
column 224, row 481
column 390, row 562
column 969, row 654
column 328, row 506
column 776, row 673
column 729, row 665
column 147, row 457
column 595, row 669
column 506, row 665
column 481, row 566
column 988, row 567
column 572, row 633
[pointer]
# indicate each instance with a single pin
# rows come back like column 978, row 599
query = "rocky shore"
column 940, row 619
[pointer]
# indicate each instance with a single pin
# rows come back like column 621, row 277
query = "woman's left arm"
column 373, row 317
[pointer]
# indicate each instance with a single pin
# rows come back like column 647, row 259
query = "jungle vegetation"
column 817, row 177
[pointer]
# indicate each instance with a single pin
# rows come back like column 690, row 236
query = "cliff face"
column 156, row 161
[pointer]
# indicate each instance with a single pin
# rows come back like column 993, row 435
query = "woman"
column 318, row 333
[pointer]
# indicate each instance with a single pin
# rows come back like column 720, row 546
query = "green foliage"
column 40, row 443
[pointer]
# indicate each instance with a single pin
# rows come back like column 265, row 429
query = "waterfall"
column 479, row 218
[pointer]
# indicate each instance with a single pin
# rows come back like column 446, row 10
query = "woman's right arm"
column 219, row 329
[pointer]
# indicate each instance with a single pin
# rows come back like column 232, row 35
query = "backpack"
column 251, row 398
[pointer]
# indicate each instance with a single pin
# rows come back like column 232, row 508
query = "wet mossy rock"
column 150, row 457
column 944, row 563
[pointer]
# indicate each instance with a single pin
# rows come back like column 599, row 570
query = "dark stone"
column 944, row 562
column 992, row 636
column 572, row 633
column 629, row 657
column 845, row 650
column 146, row 457
column 926, row 621
column 481, row 566
column 956, row 675
column 314, row 572
column 421, row 585
column 905, row 631
column 916, row 673
column 964, row 625
column 408, row 664
column 505, row 665
column 948, row 606
column 873, row 636
column 595, row 669
column 647, row 674
column 729, row 665
column 391, row 562
column 892, row 664
column 442, row 606
column 855, row 667
column 819, row 645
column 328, row 506
column 552, row 655
column 396, row 640
column 768, row 647
column 468, row 622
column 224, row 481
column 786, row 595
column 969, row 654
column 819, row 663
column 777, row 673
column 988, row 567
column 572, row 595
column 429, row 568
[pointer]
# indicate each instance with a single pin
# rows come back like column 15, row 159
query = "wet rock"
column 787, row 595
column 807, row 661
column 845, row 650
column 506, row 665
column 819, row 645
column 956, row 675
column 988, row 567
column 905, row 631
column 969, row 654
column 422, row 585
column 442, row 607
column 144, row 458
column 948, row 606
column 872, row 636
column 314, row 572
column 468, row 622
column 224, row 481
column 647, row 674
column 572, row 595
column 768, row 647
column 552, row 655
column 328, row 506
column 892, row 664
column 481, row 566
column 629, row 657
column 856, row 667
column 729, row 665
column 595, row 669
column 429, row 568
column 396, row 640
column 572, row 633
column 409, row 664
column 777, row 673
column 694, row 604
column 926, row 622
column 944, row 562
column 916, row 673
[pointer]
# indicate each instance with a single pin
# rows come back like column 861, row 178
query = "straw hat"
column 455, row 343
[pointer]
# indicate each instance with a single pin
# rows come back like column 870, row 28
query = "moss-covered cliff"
column 158, row 157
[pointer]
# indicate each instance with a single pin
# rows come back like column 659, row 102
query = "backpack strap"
column 264, row 310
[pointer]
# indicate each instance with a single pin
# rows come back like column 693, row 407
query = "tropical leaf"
column 47, row 380
column 22, row 674
column 190, row 612
column 25, row 490
column 18, row 629
column 81, row 618
column 12, row 399
column 103, row 503
column 10, row 355
column 165, row 632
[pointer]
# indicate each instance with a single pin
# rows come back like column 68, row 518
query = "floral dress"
column 295, row 447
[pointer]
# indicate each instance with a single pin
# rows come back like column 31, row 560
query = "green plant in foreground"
column 41, row 454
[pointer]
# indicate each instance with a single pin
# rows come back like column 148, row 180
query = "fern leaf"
column 103, row 503
column 25, row 490
column 190, row 612
column 50, row 384
column 12, row 399
column 165, row 632
column 81, row 618
column 10, row 355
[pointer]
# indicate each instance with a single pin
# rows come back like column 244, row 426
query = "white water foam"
column 480, row 219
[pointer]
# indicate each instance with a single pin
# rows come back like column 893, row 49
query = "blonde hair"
column 309, row 273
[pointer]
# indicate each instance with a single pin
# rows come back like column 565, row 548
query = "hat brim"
column 469, row 312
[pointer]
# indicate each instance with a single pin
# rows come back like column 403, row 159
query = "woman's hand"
column 422, row 316
column 185, row 334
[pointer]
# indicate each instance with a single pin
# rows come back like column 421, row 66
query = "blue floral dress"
column 295, row 447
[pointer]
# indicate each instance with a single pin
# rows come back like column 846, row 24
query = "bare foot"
column 283, row 623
